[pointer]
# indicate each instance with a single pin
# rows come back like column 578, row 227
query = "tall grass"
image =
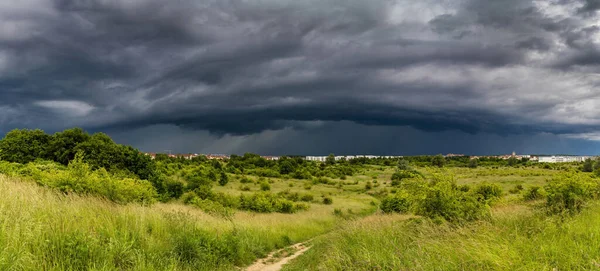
column 516, row 238
column 41, row 229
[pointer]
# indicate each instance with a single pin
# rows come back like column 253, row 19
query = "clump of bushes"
column 517, row 189
column 327, row 200
column 265, row 186
column 488, row 192
column 400, row 175
column 268, row 203
column 568, row 194
column 307, row 198
column 295, row 196
column 245, row 179
column 440, row 199
column 80, row 178
column 398, row 203
column 533, row 193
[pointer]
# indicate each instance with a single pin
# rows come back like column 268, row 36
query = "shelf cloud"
column 233, row 70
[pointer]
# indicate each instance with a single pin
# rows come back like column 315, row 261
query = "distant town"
column 535, row 158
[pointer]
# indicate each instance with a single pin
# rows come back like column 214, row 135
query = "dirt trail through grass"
column 276, row 260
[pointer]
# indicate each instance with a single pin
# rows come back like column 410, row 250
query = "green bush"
column 517, row 189
column 440, row 198
column 174, row 188
column 569, row 193
column 307, row 198
column 533, row 193
column 327, row 200
column 268, row 203
column 265, row 186
column 223, row 179
column 398, row 203
column 488, row 192
column 79, row 178
column 245, row 180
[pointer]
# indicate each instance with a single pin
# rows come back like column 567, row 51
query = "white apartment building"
column 316, row 158
column 562, row 159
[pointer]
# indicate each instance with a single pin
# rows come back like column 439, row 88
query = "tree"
column 24, row 146
column 61, row 147
column 438, row 161
column 596, row 165
column 286, row 165
column 224, row 179
column 473, row 163
column 513, row 161
column 99, row 151
column 330, row 160
column 588, row 165
column 403, row 164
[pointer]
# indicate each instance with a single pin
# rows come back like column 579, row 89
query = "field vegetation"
column 75, row 201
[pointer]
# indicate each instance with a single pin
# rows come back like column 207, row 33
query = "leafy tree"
column 61, row 147
column 588, row 165
column 99, row 151
column 473, row 163
column 330, row 160
column 513, row 161
column 438, row 161
column 24, row 146
column 223, row 179
column 403, row 165
column 596, row 165
column 286, row 166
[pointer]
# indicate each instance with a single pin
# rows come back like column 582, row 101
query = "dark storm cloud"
column 245, row 67
column 590, row 6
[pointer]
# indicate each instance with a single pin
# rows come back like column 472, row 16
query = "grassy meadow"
column 44, row 228
column 74, row 201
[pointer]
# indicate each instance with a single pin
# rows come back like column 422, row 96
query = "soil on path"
column 276, row 260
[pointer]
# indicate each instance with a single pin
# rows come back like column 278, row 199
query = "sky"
column 308, row 77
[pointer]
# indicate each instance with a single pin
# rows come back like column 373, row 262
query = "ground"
column 171, row 236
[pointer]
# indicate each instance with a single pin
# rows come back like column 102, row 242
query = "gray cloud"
column 237, row 68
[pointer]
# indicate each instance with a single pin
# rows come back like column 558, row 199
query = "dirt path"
column 276, row 260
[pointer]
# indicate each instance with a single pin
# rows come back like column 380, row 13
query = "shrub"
column 569, row 193
column 515, row 190
column 307, row 198
column 264, row 186
column 223, row 179
column 368, row 185
column 403, row 164
column 464, row 188
column 174, row 188
column 488, row 192
column 441, row 198
column 245, row 179
column 267, row 203
column 400, row 175
column 398, row 203
column 338, row 212
column 473, row 163
column 80, row 178
column 245, row 188
column 327, row 200
column 533, row 193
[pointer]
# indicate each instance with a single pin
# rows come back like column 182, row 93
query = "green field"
column 97, row 205
column 44, row 228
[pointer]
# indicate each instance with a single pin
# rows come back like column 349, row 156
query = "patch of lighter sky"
column 68, row 108
column 421, row 12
